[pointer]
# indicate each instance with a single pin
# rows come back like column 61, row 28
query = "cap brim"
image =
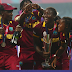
column 14, row 8
column 11, row 8
column 8, row 7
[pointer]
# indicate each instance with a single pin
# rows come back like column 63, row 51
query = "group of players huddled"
column 24, row 41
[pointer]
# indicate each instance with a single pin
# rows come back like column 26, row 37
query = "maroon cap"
column 8, row 6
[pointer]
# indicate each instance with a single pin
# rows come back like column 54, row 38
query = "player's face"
column 61, row 26
column 48, row 15
column 8, row 15
column 25, row 3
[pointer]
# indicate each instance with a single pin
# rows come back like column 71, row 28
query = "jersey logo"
column 55, row 32
column 11, row 28
column 33, row 17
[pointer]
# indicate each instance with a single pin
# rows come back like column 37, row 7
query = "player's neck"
column 4, row 21
column 50, row 25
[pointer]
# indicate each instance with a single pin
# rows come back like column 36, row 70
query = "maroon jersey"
column 63, row 61
column 40, row 29
column 9, row 47
column 63, row 38
column 64, row 56
column 26, row 40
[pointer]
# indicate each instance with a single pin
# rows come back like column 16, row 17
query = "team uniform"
column 65, row 60
column 8, row 57
column 27, row 50
column 38, row 33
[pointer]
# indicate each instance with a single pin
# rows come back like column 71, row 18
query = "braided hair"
column 68, row 23
column 57, row 18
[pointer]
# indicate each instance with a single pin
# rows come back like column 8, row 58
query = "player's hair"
column 57, row 18
column 68, row 23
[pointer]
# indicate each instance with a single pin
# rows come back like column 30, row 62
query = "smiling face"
column 49, row 16
column 61, row 26
column 25, row 3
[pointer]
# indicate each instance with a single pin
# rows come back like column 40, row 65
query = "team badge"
column 33, row 17
column 55, row 32
column 11, row 28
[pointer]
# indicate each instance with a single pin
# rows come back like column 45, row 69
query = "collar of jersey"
column 10, row 22
column 44, row 25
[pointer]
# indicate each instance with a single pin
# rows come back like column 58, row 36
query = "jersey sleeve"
column 37, row 31
column 15, row 23
column 16, row 17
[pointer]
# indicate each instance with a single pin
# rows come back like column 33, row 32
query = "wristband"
column 55, row 56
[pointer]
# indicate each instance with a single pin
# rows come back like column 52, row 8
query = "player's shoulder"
column 39, row 25
column 14, row 23
column 16, row 17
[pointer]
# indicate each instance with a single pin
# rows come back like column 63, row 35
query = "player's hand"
column 53, row 64
column 18, row 28
column 40, row 9
column 69, row 57
column 35, row 6
column 2, row 30
column 28, row 8
column 46, row 55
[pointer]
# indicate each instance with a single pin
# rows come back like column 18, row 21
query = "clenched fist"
column 35, row 6
column 28, row 8
column 18, row 28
